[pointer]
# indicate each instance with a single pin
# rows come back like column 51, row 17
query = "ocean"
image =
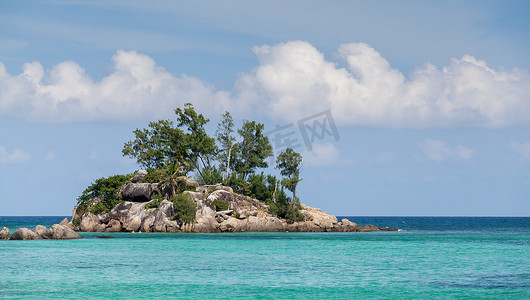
column 432, row 257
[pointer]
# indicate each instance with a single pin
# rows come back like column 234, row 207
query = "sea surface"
column 432, row 257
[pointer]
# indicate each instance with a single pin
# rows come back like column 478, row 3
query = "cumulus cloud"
column 439, row 151
column 135, row 89
column 292, row 80
column 17, row 156
column 523, row 149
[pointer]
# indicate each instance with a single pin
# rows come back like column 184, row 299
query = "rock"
column 163, row 215
column 104, row 217
column 89, row 223
column 135, row 215
column 367, row 228
column 268, row 224
column 43, row 232
column 224, row 212
column 347, row 225
column 4, row 234
column 64, row 222
column 231, row 225
column 139, row 176
column 113, row 226
column 62, row 232
column 25, row 234
column 139, row 192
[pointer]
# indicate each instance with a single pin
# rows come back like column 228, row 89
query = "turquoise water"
column 434, row 258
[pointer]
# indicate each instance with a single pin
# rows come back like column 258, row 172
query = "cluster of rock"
column 243, row 214
column 62, row 231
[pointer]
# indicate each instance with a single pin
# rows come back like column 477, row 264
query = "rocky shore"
column 62, row 231
column 243, row 214
column 142, row 213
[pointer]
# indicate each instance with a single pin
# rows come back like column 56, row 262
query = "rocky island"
column 228, row 195
column 138, row 214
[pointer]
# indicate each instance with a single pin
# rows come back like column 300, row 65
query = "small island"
column 227, row 195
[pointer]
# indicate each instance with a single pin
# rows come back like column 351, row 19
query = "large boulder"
column 139, row 176
column 89, row 223
column 139, row 192
column 4, row 234
column 25, row 234
column 43, row 232
column 113, row 226
column 63, row 232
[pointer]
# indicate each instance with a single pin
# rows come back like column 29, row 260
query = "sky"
column 399, row 108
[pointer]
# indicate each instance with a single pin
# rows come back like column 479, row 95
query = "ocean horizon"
column 432, row 257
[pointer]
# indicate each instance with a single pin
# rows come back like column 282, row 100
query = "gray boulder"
column 113, row 226
column 139, row 192
column 25, row 234
column 89, row 223
column 64, row 222
column 63, row 232
column 139, row 176
column 4, row 234
column 43, row 232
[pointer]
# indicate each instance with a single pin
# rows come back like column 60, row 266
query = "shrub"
column 155, row 203
column 76, row 221
column 104, row 189
column 185, row 208
column 153, row 176
column 220, row 205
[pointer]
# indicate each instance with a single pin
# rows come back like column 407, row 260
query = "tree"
column 225, row 128
column 200, row 147
column 253, row 149
column 157, row 145
column 290, row 162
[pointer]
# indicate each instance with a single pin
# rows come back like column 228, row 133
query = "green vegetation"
column 172, row 150
column 155, row 203
column 102, row 195
column 185, row 208
column 220, row 205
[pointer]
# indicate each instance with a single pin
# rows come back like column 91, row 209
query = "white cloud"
column 522, row 149
column 439, row 151
column 292, row 80
column 50, row 156
column 17, row 156
column 136, row 89
column 322, row 155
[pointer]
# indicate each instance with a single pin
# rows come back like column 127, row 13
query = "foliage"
column 155, row 201
column 237, row 183
column 155, row 146
column 153, row 176
column 200, row 147
column 185, row 208
column 76, row 221
column 210, row 176
column 289, row 162
column 220, row 205
column 102, row 195
column 227, row 141
column 253, row 150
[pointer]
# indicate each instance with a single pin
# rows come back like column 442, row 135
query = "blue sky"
column 431, row 99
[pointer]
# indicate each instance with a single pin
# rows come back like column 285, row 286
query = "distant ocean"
column 433, row 257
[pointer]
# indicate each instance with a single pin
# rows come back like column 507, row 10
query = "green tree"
column 155, row 146
column 253, row 150
column 224, row 136
column 200, row 147
column 290, row 162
